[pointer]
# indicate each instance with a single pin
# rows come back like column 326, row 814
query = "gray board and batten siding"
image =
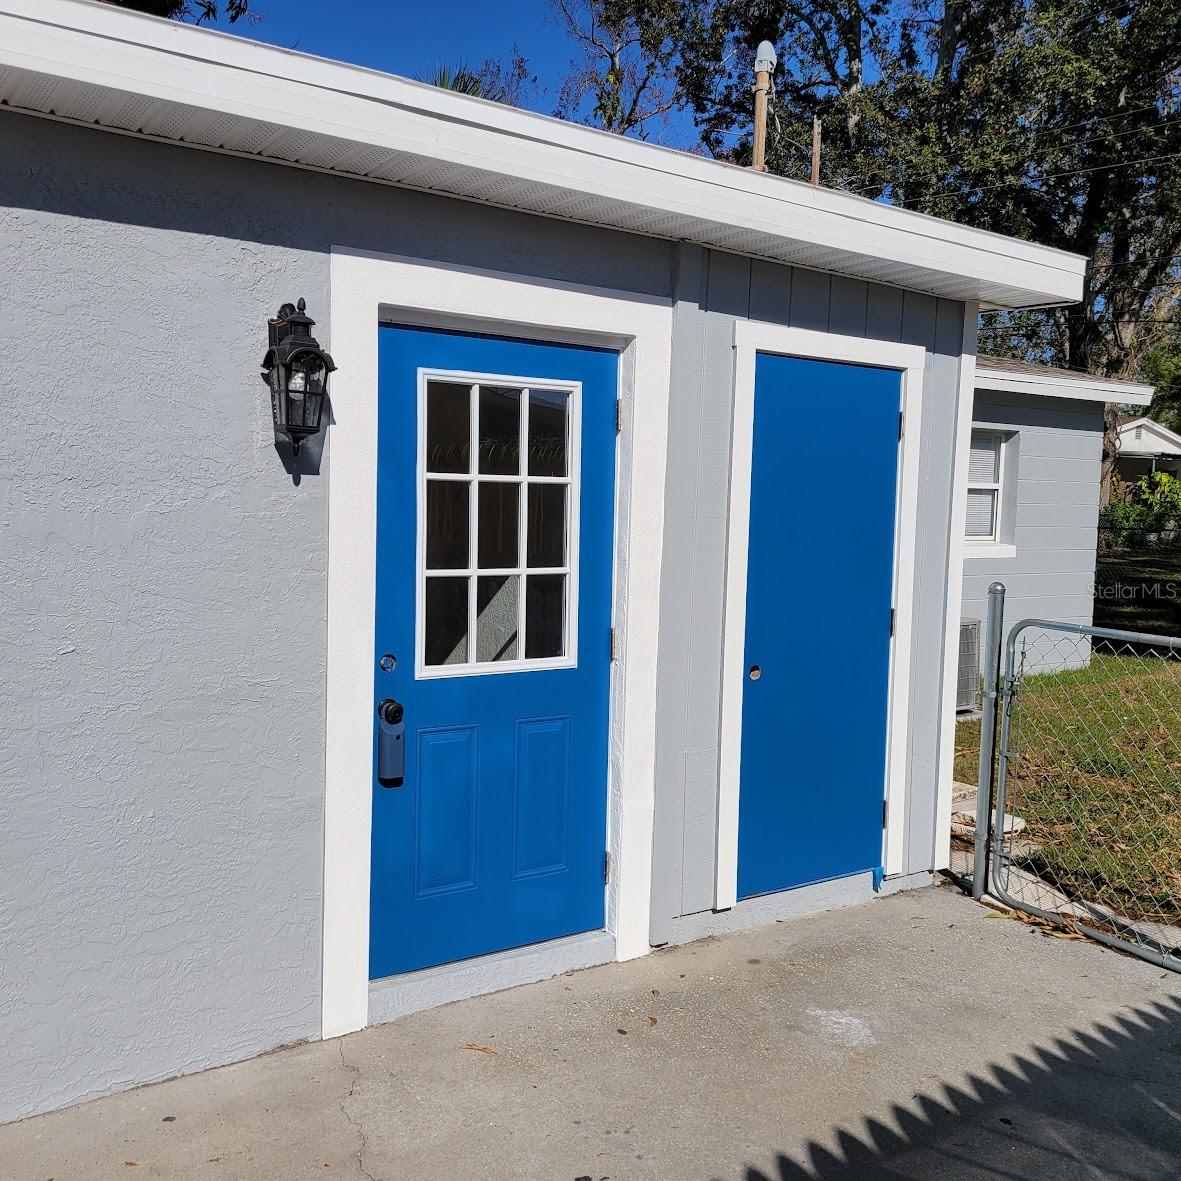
column 712, row 291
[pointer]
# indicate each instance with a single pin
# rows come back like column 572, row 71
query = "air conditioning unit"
column 967, row 694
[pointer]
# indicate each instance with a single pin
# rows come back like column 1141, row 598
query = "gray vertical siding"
column 712, row 290
column 1052, row 508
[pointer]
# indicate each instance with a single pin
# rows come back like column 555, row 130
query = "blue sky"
column 411, row 38
column 404, row 37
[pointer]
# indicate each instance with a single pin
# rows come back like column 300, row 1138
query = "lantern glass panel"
column 305, row 390
column 312, row 406
column 316, row 372
column 295, row 407
column 308, row 373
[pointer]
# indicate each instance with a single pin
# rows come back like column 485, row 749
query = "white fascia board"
column 126, row 52
column 1078, row 388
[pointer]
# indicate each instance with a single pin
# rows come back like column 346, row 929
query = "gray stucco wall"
column 162, row 592
column 163, row 610
column 712, row 290
column 1050, row 511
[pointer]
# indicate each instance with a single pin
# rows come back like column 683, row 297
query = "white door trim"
column 957, row 548
column 366, row 289
column 910, row 360
column 572, row 481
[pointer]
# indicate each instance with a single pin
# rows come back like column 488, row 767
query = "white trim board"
column 572, row 482
column 910, row 360
column 105, row 67
column 366, row 290
column 1081, row 387
column 957, row 547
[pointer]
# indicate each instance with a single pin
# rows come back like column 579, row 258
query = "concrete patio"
column 780, row 1053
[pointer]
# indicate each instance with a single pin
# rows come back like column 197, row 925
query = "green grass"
column 1098, row 781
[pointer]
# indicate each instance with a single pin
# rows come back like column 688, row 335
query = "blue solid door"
column 818, row 620
column 496, row 463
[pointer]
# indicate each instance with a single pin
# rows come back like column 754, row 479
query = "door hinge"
column 885, row 813
column 901, row 423
column 607, row 866
column 893, row 619
column 618, row 415
column 612, row 644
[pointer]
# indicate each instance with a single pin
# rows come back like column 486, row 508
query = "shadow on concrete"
column 1106, row 1104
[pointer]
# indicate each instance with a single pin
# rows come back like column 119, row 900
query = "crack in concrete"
column 354, row 1123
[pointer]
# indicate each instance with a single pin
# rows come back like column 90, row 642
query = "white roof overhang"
column 1081, row 387
column 106, row 67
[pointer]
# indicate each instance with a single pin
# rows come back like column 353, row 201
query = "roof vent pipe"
column 765, row 61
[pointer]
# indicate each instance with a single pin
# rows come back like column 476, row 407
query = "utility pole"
column 815, row 149
column 764, row 67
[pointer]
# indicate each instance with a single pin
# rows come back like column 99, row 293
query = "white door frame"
column 365, row 290
column 953, row 605
column 751, row 338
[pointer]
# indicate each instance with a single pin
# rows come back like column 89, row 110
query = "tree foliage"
column 624, row 78
column 197, row 11
column 1160, row 366
column 1058, row 121
column 503, row 82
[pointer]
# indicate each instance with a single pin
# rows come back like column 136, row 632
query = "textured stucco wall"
column 162, row 593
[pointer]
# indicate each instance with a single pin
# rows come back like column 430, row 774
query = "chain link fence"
column 1087, row 822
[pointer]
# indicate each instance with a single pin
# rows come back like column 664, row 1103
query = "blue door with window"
column 818, row 623
column 496, row 462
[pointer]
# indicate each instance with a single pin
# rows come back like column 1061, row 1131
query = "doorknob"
column 391, row 746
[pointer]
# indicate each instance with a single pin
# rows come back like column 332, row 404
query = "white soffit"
column 102, row 66
column 1081, row 387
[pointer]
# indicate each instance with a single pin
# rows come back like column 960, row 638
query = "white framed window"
column 985, row 476
column 498, row 500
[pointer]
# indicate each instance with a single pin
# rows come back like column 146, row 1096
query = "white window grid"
column 995, row 487
column 474, row 478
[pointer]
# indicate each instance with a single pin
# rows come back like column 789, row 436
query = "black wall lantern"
column 296, row 369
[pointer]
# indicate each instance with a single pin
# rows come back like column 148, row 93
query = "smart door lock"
column 391, row 745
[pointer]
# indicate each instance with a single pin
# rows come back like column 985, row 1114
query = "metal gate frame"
column 991, row 872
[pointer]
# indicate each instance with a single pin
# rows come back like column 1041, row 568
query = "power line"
column 1149, row 290
column 1099, row 321
column 1045, row 147
column 1008, row 184
column 1070, row 27
column 1136, row 262
column 1115, row 115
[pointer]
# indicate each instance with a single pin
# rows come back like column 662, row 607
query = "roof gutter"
column 1079, row 387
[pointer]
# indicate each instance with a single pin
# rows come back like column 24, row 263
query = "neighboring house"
column 550, row 542
column 1033, row 493
column 1145, row 447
